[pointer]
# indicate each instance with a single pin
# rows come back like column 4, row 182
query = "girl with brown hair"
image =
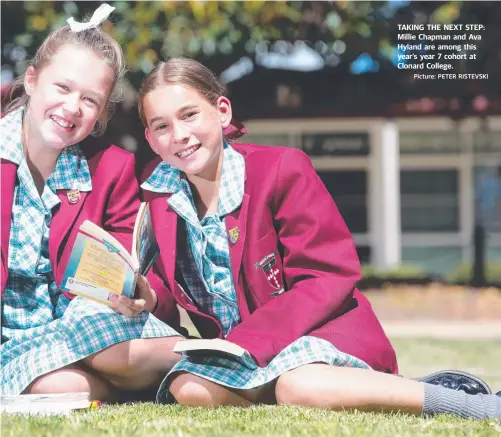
column 255, row 250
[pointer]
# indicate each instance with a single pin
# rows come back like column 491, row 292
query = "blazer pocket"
column 266, row 278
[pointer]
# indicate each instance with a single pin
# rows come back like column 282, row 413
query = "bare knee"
column 190, row 390
column 194, row 391
column 288, row 390
column 135, row 364
column 307, row 386
column 119, row 360
column 68, row 379
column 123, row 368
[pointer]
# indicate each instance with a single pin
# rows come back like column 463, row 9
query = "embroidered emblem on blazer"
column 271, row 272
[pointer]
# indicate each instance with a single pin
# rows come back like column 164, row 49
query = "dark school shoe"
column 458, row 380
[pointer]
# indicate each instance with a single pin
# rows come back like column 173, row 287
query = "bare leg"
column 136, row 364
column 342, row 388
column 338, row 388
column 72, row 378
column 193, row 391
column 315, row 385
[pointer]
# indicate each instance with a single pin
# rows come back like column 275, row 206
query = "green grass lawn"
column 417, row 357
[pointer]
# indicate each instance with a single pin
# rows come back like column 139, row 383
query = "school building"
column 410, row 189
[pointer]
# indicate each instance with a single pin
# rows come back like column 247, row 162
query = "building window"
column 433, row 260
column 266, row 139
column 429, row 142
column 429, row 200
column 494, row 254
column 488, row 197
column 349, row 191
column 485, row 141
column 364, row 254
column 336, row 144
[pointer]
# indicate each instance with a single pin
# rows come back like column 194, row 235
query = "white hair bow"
column 100, row 15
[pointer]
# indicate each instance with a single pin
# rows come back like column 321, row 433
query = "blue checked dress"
column 206, row 269
column 41, row 329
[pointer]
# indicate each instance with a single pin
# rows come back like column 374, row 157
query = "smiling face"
column 185, row 129
column 67, row 97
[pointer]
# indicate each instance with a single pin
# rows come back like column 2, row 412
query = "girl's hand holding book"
column 146, row 300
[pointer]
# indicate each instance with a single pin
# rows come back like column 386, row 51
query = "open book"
column 47, row 405
column 215, row 347
column 100, row 266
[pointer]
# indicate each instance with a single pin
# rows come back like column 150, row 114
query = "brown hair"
column 182, row 71
column 93, row 39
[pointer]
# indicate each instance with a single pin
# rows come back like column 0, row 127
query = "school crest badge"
column 234, row 235
column 271, row 272
column 73, row 196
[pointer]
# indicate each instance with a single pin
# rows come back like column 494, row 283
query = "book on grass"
column 215, row 347
column 99, row 265
column 47, row 404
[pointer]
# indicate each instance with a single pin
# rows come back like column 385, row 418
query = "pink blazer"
column 294, row 263
column 112, row 204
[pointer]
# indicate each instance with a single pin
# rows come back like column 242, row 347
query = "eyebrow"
column 182, row 109
column 93, row 94
column 155, row 119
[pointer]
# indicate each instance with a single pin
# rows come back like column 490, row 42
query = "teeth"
column 61, row 122
column 187, row 152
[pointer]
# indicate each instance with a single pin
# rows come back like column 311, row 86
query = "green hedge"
column 463, row 272
column 401, row 272
column 460, row 275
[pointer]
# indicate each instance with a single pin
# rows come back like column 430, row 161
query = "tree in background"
column 354, row 37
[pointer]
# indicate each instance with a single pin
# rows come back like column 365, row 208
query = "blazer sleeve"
column 123, row 205
column 166, row 304
column 320, row 263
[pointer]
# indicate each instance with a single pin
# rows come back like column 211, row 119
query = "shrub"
column 373, row 278
column 401, row 272
column 462, row 273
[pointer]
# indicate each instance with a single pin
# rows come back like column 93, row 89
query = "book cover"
column 146, row 249
column 99, row 266
column 46, row 404
column 198, row 349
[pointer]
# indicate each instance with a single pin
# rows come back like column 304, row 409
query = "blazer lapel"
column 62, row 223
column 236, row 226
column 165, row 225
column 8, row 178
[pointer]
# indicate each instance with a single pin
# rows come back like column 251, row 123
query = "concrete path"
column 453, row 329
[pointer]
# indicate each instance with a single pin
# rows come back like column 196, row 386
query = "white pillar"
column 384, row 192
